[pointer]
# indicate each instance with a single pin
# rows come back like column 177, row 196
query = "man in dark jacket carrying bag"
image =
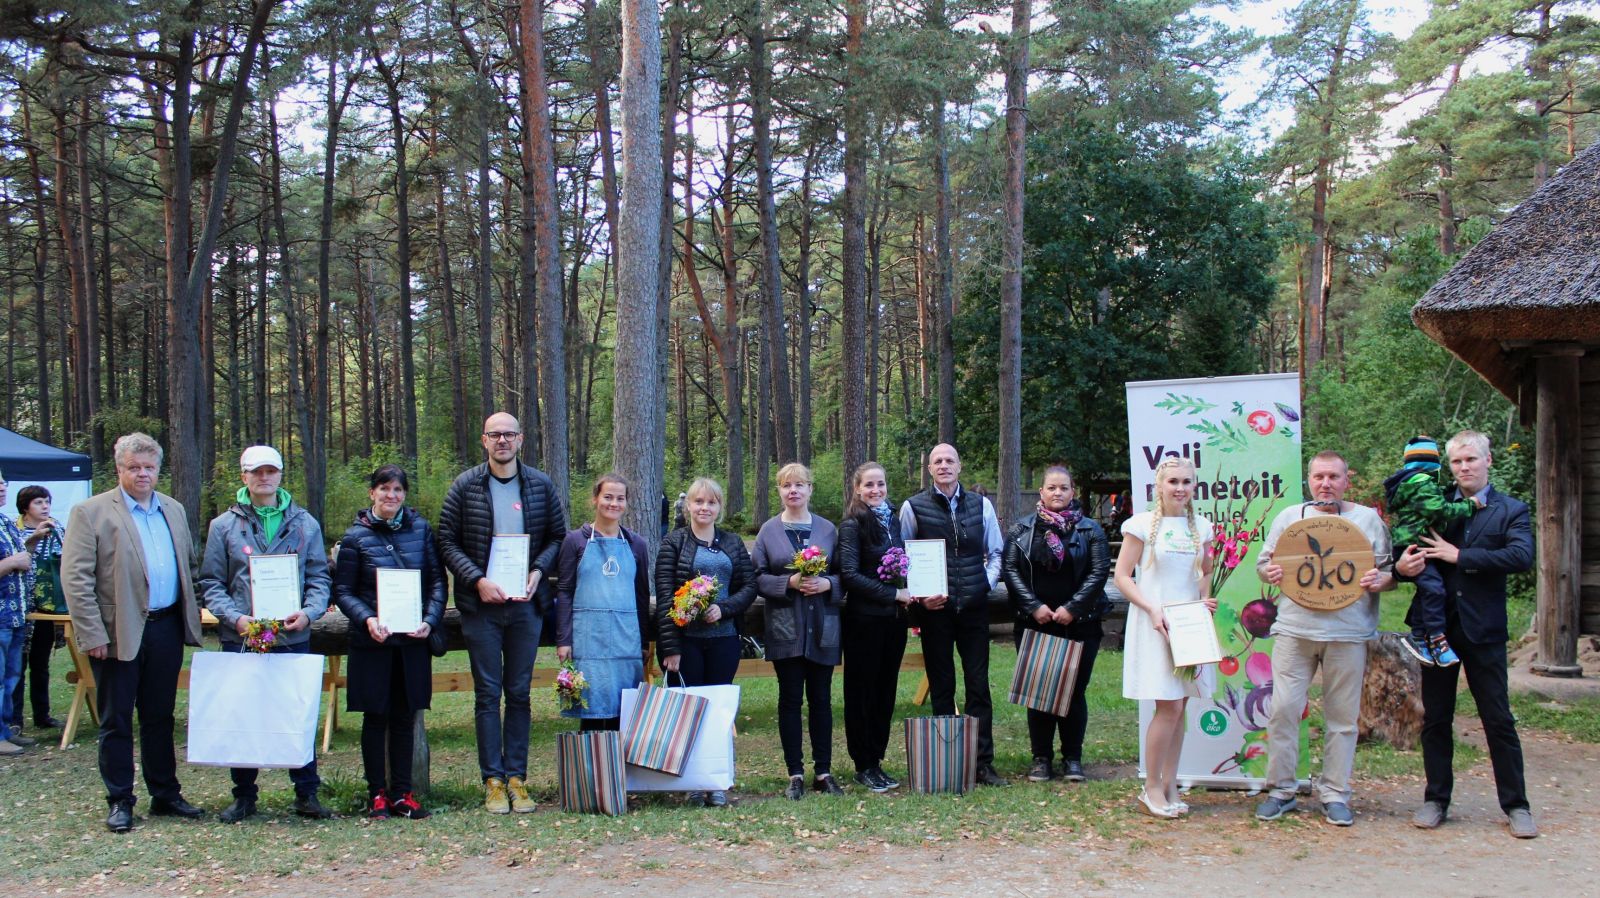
column 501, row 497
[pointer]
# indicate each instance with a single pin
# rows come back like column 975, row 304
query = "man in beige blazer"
column 125, row 569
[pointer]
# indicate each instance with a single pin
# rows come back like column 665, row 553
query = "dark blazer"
column 567, row 561
column 675, row 566
column 1495, row 542
column 1089, row 554
column 466, row 529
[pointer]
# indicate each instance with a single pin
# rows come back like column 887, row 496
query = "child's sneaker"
column 408, row 806
column 1443, row 655
column 380, row 807
column 1418, row 647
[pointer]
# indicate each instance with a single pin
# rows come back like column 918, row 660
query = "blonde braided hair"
column 1160, row 511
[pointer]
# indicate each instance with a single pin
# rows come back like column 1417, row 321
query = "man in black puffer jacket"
column 502, row 496
column 958, row 622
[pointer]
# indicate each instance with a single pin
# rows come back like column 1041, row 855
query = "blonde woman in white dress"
column 1169, row 546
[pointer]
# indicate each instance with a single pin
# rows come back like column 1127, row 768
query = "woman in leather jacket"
column 1055, row 564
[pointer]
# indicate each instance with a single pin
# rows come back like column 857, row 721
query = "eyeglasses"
column 502, row 436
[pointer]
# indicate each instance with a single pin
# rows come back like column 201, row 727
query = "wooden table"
column 81, row 677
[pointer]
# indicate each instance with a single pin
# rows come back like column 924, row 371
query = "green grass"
column 52, row 810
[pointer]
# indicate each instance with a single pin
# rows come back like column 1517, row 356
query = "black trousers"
column 1044, row 726
column 1485, row 666
column 35, row 673
column 945, row 633
column 873, row 648
column 815, row 681
column 388, row 740
column 148, row 684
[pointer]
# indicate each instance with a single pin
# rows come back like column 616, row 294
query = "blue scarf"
column 884, row 512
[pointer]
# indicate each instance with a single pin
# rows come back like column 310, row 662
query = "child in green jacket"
column 1417, row 505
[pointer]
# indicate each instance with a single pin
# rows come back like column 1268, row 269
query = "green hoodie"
column 271, row 515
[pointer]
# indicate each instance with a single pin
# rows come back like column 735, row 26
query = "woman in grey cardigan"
column 802, row 627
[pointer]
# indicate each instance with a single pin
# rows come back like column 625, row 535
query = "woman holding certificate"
column 603, row 606
column 795, row 574
column 1055, row 566
column 704, row 582
column 390, row 583
column 1169, row 547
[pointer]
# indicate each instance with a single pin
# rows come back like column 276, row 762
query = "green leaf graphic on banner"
column 1178, row 405
column 1222, row 436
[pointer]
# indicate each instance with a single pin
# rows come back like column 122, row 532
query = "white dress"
column 1147, row 671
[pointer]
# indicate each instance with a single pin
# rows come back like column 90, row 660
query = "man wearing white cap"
column 266, row 521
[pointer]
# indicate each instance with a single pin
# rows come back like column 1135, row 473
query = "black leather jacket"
column 1090, row 556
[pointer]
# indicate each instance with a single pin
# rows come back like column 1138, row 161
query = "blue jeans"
column 305, row 779
column 501, row 643
column 12, row 640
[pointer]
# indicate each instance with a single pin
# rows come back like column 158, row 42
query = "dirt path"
column 1221, row 849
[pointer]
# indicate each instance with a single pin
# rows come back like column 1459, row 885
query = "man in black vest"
column 958, row 622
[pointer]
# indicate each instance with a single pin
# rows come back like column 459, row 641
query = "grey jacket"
column 224, row 583
column 798, row 625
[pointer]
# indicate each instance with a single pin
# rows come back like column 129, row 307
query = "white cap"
column 256, row 456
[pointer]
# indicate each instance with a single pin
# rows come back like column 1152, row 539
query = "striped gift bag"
column 942, row 753
column 662, row 729
column 589, row 773
column 1047, row 668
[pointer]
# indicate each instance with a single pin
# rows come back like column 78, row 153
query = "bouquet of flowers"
column 570, row 684
column 810, row 562
column 693, row 598
column 894, row 567
column 261, row 635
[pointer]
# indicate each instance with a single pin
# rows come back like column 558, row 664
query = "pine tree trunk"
column 1010, row 460
column 853, row 409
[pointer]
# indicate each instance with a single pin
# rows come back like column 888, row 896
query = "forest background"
column 825, row 231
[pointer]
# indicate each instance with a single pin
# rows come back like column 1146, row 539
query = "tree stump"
column 1391, row 694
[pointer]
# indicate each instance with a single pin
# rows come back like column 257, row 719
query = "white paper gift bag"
column 253, row 710
column 710, row 763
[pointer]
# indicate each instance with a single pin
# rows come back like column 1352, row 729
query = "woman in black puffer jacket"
column 1055, row 566
column 390, row 675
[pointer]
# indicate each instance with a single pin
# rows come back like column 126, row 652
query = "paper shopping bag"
column 253, row 710
column 709, row 766
column 662, row 728
column 589, row 773
column 942, row 753
column 1047, row 669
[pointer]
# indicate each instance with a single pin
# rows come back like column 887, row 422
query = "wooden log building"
column 1522, row 308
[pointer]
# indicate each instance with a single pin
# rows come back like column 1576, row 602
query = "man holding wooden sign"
column 265, row 560
column 1325, row 556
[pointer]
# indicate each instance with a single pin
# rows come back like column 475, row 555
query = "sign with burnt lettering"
column 1323, row 558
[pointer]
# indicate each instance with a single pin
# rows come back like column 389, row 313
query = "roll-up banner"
column 1243, row 435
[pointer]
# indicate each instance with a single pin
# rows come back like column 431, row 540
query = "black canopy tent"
column 68, row 476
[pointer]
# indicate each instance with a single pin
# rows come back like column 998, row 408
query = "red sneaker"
column 407, row 806
column 380, row 807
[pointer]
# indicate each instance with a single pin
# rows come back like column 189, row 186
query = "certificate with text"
column 927, row 575
column 274, row 586
column 508, row 563
column 399, row 600
column 1192, row 633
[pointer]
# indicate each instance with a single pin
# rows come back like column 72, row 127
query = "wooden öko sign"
column 1323, row 558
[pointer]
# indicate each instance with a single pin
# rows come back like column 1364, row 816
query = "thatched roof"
column 1535, row 277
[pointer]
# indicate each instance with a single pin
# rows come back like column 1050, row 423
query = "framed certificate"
column 274, row 586
column 927, row 575
column 399, row 600
column 508, row 563
column 1192, row 634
